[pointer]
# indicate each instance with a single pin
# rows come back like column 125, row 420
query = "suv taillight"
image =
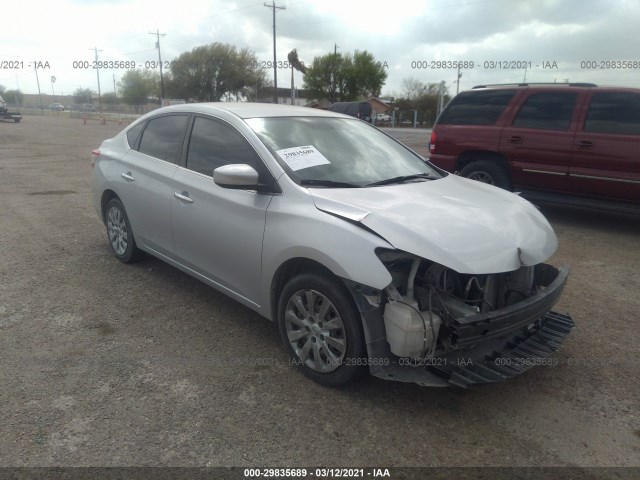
column 432, row 142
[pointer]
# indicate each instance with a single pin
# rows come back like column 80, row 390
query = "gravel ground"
column 105, row 364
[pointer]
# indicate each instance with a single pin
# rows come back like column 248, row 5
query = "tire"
column 119, row 232
column 331, row 356
column 486, row 171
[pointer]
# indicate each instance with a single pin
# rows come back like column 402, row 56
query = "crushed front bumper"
column 523, row 351
column 487, row 347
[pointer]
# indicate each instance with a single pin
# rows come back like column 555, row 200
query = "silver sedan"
column 368, row 258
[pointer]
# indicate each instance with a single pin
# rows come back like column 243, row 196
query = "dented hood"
column 465, row 225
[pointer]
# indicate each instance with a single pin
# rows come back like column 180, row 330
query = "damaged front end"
column 437, row 327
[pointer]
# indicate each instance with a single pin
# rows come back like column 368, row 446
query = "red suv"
column 573, row 143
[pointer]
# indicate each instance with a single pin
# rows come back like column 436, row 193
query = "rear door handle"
column 127, row 176
column 184, row 196
column 515, row 139
column 585, row 144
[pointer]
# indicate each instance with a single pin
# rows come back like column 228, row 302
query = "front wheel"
column 486, row 171
column 321, row 329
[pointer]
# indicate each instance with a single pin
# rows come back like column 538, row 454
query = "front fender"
column 346, row 249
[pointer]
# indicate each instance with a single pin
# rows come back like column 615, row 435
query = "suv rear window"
column 476, row 108
column 614, row 112
column 547, row 110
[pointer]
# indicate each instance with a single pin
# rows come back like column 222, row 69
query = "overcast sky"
column 402, row 34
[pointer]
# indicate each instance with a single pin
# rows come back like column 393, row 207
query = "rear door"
column 539, row 141
column 144, row 178
column 218, row 231
column 606, row 158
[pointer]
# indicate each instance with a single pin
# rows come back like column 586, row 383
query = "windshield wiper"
column 327, row 183
column 403, row 178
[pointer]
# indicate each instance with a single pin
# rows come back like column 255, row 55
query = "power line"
column 158, row 35
column 274, row 7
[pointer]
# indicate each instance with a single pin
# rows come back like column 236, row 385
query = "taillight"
column 432, row 142
column 94, row 155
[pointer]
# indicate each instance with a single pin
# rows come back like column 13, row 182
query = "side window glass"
column 614, row 112
column 163, row 137
column 214, row 144
column 134, row 133
column 476, row 108
column 548, row 111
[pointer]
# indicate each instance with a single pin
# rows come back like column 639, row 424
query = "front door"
column 218, row 231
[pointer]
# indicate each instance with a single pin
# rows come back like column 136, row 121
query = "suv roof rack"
column 574, row 84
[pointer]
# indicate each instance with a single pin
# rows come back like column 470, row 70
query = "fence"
column 109, row 112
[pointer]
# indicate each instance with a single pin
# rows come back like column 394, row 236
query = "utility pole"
column 458, row 80
column 114, row 85
column 441, row 97
column 333, row 73
column 39, row 94
column 274, row 7
column 158, row 35
column 95, row 49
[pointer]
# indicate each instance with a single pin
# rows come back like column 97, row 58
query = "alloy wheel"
column 315, row 330
column 117, row 228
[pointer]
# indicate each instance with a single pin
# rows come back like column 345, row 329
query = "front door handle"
column 184, row 196
column 127, row 176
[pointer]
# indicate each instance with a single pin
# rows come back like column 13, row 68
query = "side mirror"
column 238, row 176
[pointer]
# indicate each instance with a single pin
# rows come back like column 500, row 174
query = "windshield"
column 346, row 152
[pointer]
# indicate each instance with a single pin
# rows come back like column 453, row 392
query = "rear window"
column 476, row 108
column 614, row 112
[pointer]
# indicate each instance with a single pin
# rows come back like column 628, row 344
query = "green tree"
column 423, row 97
column 82, row 95
column 15, row 97
column 210, row 72
column 2, row 89
column 110, row 98
column 344, row 78
column 136, row 86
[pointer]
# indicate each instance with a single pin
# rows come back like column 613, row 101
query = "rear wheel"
column 119, row 232
column 321, row 329
column 486, row 171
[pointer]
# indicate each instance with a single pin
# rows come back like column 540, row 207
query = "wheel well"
column 288, row 270
column 107, row 195
column 467, row 157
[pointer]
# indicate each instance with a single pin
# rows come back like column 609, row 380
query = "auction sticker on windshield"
column 298, row 158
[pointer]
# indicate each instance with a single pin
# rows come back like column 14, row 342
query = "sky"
column 504, row 40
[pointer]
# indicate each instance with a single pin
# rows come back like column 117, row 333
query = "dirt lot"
column 107, row 364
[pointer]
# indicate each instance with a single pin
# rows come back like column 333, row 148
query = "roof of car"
column 540, row 84
column 251, row 110
column 550, row 86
